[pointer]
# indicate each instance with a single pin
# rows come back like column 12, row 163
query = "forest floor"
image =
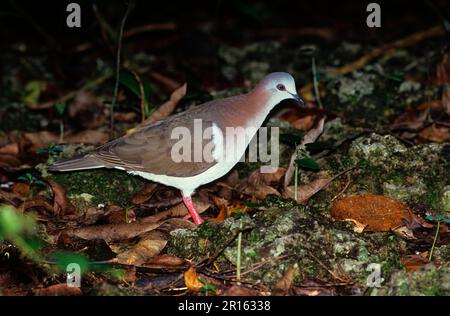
column 369, row 213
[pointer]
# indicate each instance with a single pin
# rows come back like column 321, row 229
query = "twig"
column 435, row 239
column 316, row 83
column 310, row 137
column 323, row 265
column 119, row 49
column 150, row 27
column 387, row 49
column 141, row 89
column 238, row 259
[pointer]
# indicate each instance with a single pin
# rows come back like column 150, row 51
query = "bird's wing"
column 151, row 148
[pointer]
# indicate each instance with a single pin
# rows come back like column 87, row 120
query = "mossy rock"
column 429, row 280
column 287, row 234
column 102, row 186
column 418, row 175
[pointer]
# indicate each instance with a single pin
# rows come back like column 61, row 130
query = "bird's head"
column 280, row 86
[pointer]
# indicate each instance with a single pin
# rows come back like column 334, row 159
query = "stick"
column 119, row 49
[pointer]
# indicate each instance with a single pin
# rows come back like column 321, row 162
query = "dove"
column 190, row 149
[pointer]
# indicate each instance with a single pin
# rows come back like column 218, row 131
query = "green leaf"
column 64, row 258
column 60, row 107
column 208, row 287
column 429, row 218
column 33, row 90
column 308, row 163
column 252, row 204
column 128, row 80
column 40, row 182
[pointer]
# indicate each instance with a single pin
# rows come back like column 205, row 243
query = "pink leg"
column 193, row 213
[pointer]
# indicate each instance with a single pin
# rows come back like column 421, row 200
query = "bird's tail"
column 78, row 163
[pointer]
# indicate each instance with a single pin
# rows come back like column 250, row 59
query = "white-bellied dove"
column 153, row 151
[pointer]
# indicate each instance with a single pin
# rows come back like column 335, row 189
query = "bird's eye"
column 281, row 87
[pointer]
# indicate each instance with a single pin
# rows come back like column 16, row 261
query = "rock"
column 429, row 280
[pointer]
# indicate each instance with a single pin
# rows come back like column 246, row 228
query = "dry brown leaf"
column 44, row 138
column 21, row 188
column 38, row 202
column 127, row 117
column 284, row 284
column 11, row 197
column 41, row 139
column 414, row 262
column 60, row 201
column 58, row 290
column 237, row 290
column 259, row 192
column 177, row 211
column 165, row 261
column 111, row 232
column 412, row 118
column 144, row 194
column 87, row 137
column 438, row 134
column 305, row 191
column 145, row 249
column 191, row 280
column 271, row 178
column 167, row 108
column 378, row 212
column 175, row 223
column 10, row 149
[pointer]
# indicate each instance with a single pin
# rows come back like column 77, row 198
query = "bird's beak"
column 297, row 98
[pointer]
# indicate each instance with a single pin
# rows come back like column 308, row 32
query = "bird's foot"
column 192, row 212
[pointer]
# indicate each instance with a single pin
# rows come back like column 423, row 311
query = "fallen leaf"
column 259, row 192
column 61, row 202
column 305, row 191
column 271, row 178
column 176, row 211
column 414, row 262
column 237, row 290
column 111, row 232
column 144, row 194
column 168, row 107
column 145, row 249
column 434, row 133
column 44, row 138
column 378, row 212
column 58, row 290
column 21, row 188
column 10, row 149
column 38, row 202
column 87, row 137
column 412, row 118
column 284, row 284
column 165, row 261
column 192, row 281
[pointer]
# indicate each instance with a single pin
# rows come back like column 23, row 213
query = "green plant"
column 207, row 287
column 31, row 180
column 134, row 82
column 60, row 109
column 20, row 230
column 439, row 219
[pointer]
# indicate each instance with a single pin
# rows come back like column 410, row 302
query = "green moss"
column 102, row 186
